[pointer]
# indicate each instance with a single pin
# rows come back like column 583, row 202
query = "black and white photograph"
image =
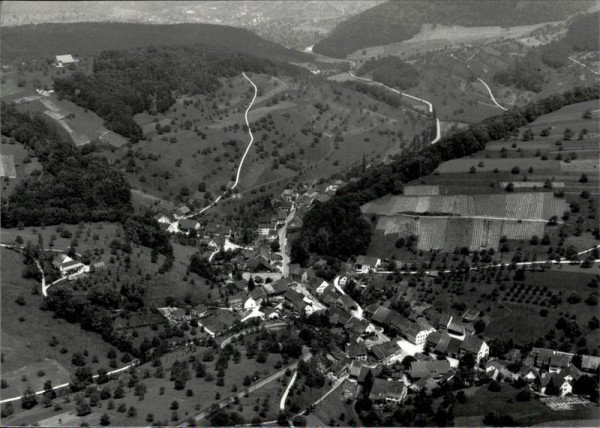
column 300, row 213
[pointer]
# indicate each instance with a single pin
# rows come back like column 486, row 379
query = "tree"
column 586, row 114
column 479, row 326
column 83, row 407
column 28, row 400
column 104, row 420
column 568, row 134
column 132, row 412
column 583, row 178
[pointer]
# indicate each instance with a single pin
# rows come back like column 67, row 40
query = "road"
column 287, row 391
column 490, row 92
column 583, row 65
column 438, row 133
column 562, row 261
column 64, row 385
column 200, row 416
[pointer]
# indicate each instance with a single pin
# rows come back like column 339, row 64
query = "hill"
column 323, row 232
column 32, row 42
column 396, row 21
column 125, row 83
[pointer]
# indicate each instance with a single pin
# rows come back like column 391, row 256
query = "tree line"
column 337, row 228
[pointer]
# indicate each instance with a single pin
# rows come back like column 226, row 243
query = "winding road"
column 438, row 133
column 491, row 95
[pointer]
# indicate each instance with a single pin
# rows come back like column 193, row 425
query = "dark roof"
column 386, row 388
column 420, row 369
column 258, row 293
column 187, row 224
column 381, row 315
column 472, row 344
column 347, row 302
column 357, row 350
column 384, row 350
column 366, row 260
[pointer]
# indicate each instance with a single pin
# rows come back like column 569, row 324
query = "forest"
column 77, row 185
column 31, row 42
column 583, row 33
column 526, row 73
column 336, row 227
column 396, row 21
column 125, row 83
column 391, row 71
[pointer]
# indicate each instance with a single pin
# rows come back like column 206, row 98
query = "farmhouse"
column 357, row 351
column 388, row 391
column 189, row 227
column 67, row 266
column 181, row 212
column 476, row 346
column 62, row 60
column 365, row 263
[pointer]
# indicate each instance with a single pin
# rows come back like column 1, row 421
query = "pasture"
column 30, row 356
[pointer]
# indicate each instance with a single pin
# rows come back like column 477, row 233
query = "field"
column 201, row 138
column 160, row 394
column 28, row 357
column 519, row 206
column 79, row 125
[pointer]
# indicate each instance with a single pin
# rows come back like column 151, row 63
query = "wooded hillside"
column 396, row 21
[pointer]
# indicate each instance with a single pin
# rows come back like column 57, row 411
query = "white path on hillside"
column 237, row 175
column 490, row 92
column 64, row 385
column 586, row 66
column 287, row 391
column 438, row 132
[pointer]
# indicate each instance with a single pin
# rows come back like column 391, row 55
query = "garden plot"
column 580, row 165
column 7, row 166
column 489, row 165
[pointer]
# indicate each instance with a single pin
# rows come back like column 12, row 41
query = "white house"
column 68, row 267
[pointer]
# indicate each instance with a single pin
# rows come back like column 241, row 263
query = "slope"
column 29, row 42
column 396, row 21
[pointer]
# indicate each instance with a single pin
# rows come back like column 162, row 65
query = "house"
column 560, row 384
column 163, row 218
column 189, row 226
column 590, row 363
column 295, row 271
column 98, row 266
column 444, row 344
column 258, row 294
column 339, row 368
column 168, row 227
column 345, row 302
column 67, row 266
column 357, row 351
column 554, row 361
column 237, row 302
column 277, row 288
column 288, row 195
column 494, row 369
column 429, row 368
column 355, row 369
column 62, row 60
column 297, row 301
column 338, row 316
column 307, row 275
column 364, row 264
column 388, row 391
column 414, row 332
column 281, row 217
column 317, row 285
column 476, row 346
column 357, row 326
column 181, row 212
column 201, row 310
column 387, row 353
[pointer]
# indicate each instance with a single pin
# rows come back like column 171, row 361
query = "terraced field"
column 519, row 206
column 449, row 233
